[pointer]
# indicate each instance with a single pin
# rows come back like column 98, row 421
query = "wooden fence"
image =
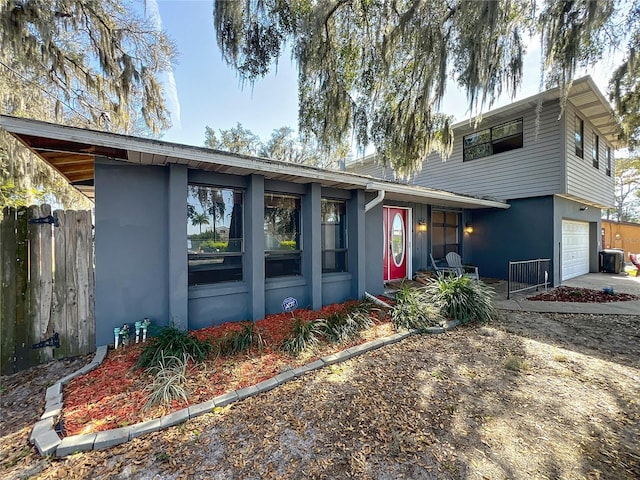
column 47, row 289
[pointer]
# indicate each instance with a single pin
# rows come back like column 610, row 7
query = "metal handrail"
column 528, row 274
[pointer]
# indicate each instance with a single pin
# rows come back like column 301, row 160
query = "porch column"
column 254, row 245
column 312, row 245
column 177, row 222
column 356, row 243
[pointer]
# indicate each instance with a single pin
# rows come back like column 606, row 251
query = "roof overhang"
column 584, row 94
column 72, row 151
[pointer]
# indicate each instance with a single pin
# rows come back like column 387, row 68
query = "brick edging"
column 47, row 441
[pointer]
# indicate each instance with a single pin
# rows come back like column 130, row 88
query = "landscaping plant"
column 340, row 327
column 414, row 308
column 168, row 380
column 362, row 316
column 462, row 298
column 119, row 392
column 304, row 334
column 171, row 342
column 240, row 340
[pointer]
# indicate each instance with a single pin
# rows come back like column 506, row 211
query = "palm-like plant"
column 200, row 219
column 462, row 299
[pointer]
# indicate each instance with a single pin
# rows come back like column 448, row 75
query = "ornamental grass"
column 236, row 355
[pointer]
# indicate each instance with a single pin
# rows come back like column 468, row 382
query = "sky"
column 203, row 91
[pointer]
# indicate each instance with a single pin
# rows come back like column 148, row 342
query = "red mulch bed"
column 113, row 395
column 584, row 295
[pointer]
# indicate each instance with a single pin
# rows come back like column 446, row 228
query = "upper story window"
column 445, row 235
column 334, row 235
column 498, row 139
column 595, row 150
column 215, row 234
column 282, row 238
column 608, row 161
column 579, row 135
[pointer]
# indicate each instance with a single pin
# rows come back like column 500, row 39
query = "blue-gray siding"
column 534, row 170
column 373, row 247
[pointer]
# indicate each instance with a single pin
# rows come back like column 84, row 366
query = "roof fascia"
column 200, row 154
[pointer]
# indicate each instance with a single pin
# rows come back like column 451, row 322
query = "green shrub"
column 462, row 298
column 288, row 245
column 414, row 308
column 207, row 235
column 239, row 341
column 302, row 335
column 171, row 342
column 168, row 380
column 213, row 246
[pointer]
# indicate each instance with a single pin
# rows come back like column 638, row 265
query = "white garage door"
column 575, row 249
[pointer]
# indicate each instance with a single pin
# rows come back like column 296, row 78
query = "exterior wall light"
column 468, row 228
column 422, row 225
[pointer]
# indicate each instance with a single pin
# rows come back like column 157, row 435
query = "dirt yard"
column 529, row 396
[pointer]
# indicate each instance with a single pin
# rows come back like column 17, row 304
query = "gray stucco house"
column 201, row 237
column 553, row 167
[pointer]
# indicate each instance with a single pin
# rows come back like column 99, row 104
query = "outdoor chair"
column 635, row 259
column 455, row 262
column 442, row 269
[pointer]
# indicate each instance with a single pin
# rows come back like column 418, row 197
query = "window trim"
column 492, row 142
column 579, row 146
column 608, row 171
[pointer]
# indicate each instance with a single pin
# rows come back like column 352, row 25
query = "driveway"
column 621, row 282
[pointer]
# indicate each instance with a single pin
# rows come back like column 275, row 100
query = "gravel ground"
column 528, row 396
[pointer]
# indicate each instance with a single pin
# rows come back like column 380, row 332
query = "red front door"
column 394, row 223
